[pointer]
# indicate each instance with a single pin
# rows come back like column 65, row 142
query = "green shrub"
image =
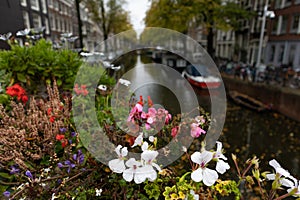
column 37, row 64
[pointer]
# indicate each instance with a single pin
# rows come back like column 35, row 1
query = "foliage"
column 185, row 15
column 35, row 65
column 111, row 18
column 43, row 157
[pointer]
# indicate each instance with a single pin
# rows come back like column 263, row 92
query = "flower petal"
column 117, row 165
column 197, row 175
column 128, row 174
column 222, row 166
column 209, row 177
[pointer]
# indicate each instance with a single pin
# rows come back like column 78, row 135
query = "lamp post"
column 266, row 14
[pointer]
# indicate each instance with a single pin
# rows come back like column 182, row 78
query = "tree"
column 181, row 15
column 111, row 18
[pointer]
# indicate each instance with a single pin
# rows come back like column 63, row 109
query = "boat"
column 200, row 77
column 247, row 101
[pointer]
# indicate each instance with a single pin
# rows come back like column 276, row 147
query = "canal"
column 245, row 133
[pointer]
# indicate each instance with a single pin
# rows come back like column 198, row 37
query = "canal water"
column 246, row 132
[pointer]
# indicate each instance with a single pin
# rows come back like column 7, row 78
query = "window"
column 283, row 24
column 23, row 3
column 292, row 53
column 55, row 2
column 278, row 4
column 26, row 19
column 36, row 20
column 272, row 52
column 295, row 23
column 35, row 5
column 47, row 26
column 50, row 3
column 275, row 23
column 287, row 3
column 281, row 52
column 44, row 6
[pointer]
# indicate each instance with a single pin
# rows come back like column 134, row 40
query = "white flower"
column 221, row 166
column 195, row 196
column 184, row 149
column 151, row 138
column 283, row 174
column 296, row 185
column 117, row 165
column 124, row 82
column 208, row 176
column 98, row 192
column 138, row 140
column 147, row 159
column 47, row 170
column 133, row 172
column 145, row 146
column 53, row 196
column 102, row 87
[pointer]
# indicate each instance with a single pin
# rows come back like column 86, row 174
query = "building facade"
column 54, row 20
column 283, row 47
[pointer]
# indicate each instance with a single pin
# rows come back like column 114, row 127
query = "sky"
column 137, row 9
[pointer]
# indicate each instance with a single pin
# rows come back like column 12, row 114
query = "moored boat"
column 201, row 78
column 247, row 101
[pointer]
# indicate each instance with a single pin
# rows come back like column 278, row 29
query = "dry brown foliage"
column 26, row 133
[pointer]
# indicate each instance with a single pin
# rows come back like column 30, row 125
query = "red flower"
column 17, row 91
column 64, row 143
column 49, row 111
column 60, row 137
column 84, row 92
column 52, row 119
column 141, row 102
column 150, row 103
column 24, row 99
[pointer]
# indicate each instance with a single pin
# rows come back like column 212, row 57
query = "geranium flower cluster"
column 153, row 119
column 282, row 177
column 202, row 159
column 81, row 90
column 137, row 170
column 195, row 127
column 17, row 91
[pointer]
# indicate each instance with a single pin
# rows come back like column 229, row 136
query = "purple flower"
column 6, row 193
column 73, row 134
column 79, row 157
column 70, row 165
column 60, row 165
column 14, row 169
column 28, row 174
column 62, row 130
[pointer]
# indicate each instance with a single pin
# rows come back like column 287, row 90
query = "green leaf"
column 5, row 175
column 21, row 77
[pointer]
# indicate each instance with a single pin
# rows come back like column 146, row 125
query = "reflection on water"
column 268, row 135
column 246, row 132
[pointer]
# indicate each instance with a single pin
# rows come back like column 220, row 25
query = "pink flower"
column 196, row 131
column 174, row 131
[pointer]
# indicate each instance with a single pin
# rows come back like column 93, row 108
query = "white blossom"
column 138, row 141
column 221, row 165
column 98, row 192
column 208, row 176
column 117, row 165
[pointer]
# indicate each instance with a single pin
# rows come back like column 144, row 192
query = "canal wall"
column 282, row 99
